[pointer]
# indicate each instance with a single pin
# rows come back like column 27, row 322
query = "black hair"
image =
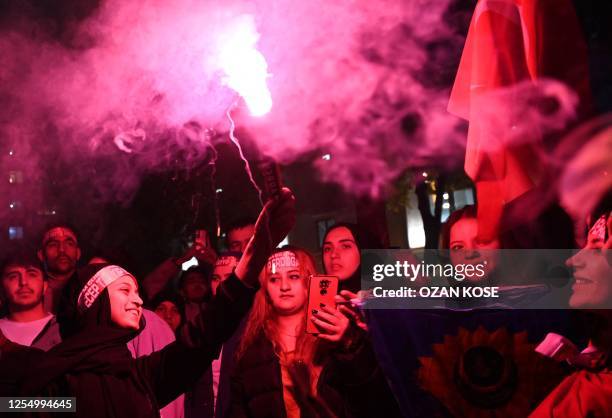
column 205, row 271
column 57, row 224
column 197, row 269
column 170, row 296
column 363, row 238
column 240, row 223
column 112, row 255
column 21, row 256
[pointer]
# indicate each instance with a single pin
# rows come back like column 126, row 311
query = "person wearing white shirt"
column 23, row 285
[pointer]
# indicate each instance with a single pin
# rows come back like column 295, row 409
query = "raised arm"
column 174, row 369
column 159, row 279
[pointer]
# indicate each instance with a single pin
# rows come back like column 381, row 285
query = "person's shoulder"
column 150, row 315
column 155, row 335
column 156, row 325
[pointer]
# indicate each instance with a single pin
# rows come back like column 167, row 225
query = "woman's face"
column 466, row 248
column 125, row 303
column 286, row 284
column 341, row 255
column 592, row 286
column 169, row 312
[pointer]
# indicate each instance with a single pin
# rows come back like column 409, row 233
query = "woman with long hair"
column 94, row 364
column 282, row 371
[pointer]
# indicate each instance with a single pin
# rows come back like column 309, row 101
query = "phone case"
column 321, row 292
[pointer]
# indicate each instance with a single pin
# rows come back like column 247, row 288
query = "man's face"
column 592, row 267
column 23, row 287
column 238, row 238
column 194, row 286
column 60, row 250
column 224, row 267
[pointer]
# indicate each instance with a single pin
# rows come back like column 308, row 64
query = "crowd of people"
column 230, row 337
column 227, row 338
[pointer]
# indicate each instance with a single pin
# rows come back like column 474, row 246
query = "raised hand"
column 204, row 255
column 273, row 224
column 275, row 220
column 346, row 305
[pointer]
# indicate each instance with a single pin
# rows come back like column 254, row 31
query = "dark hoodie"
column 95, row 366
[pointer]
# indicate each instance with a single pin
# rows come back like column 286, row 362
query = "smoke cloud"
column 140, row 88
column 525, row 113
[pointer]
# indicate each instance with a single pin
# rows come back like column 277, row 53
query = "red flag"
column 513, row 41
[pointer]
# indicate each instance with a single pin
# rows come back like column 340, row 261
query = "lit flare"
column 245, row 68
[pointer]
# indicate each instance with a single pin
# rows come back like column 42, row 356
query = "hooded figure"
column 94, row 364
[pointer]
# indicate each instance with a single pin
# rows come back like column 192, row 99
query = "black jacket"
column 144, row 385
column 351, row 384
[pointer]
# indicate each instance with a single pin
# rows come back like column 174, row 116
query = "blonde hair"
column 262, row 317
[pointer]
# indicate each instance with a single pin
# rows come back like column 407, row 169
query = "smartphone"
column 270, row 172
column 321, row 292
column 201, row 239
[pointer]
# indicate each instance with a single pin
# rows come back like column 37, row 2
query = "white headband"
column 282, row 259
column 98, row 283
column 226, row 260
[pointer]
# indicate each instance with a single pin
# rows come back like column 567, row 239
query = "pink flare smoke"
column 344, row 76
